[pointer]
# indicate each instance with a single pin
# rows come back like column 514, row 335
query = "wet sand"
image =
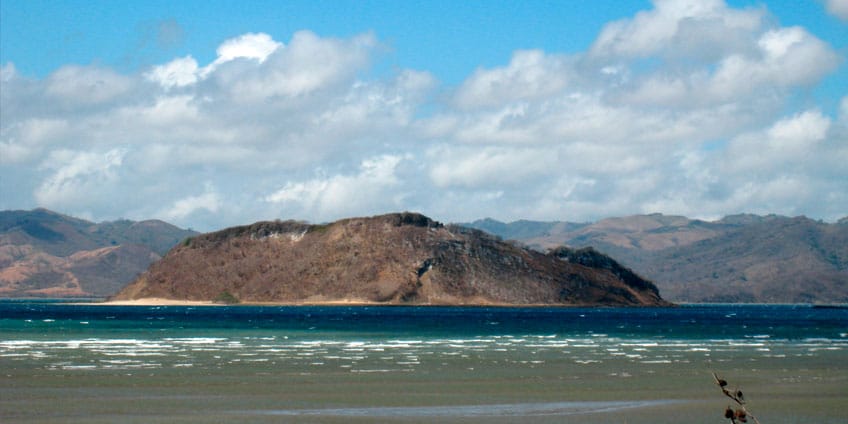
column 228, row 387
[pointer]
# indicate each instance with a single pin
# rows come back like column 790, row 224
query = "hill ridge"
column 738, row 258
column 398, row 258
column 48, row 254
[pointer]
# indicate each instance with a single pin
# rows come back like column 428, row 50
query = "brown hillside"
column 397, row 259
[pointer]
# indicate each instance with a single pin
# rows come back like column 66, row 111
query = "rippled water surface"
column 95, row 363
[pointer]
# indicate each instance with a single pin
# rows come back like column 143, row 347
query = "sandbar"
column 156, row 301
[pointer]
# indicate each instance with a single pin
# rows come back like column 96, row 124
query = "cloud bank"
column 688, row 108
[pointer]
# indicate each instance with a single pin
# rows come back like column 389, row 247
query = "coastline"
column 158, row 301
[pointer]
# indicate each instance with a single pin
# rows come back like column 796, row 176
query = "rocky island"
column 401, row 258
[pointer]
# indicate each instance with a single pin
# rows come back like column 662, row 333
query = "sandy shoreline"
column 157, row 301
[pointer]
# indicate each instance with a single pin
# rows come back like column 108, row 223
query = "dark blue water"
column 684, row 322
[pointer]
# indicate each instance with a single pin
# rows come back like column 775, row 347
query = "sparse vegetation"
column 318, row 228
column 226, row 298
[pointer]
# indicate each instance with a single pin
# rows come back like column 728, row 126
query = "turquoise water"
column 96, row 363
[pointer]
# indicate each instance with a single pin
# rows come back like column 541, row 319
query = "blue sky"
column 217, row 113
column 447, row 38
column 124, row 35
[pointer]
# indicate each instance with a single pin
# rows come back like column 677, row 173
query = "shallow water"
column 94, row 363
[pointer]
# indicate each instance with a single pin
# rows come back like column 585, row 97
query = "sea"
column 92, row 363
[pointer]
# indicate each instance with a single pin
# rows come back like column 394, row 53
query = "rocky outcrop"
column 403, row 258
column 592, row 258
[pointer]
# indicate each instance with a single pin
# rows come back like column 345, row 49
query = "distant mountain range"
column 740, row 258
column 47, row 254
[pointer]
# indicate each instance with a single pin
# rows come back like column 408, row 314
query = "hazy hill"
column 795, row 260
column 740, row 258
column 43, row 253
column 396, row 259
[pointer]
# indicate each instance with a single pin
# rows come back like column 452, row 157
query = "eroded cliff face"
column 403, row 258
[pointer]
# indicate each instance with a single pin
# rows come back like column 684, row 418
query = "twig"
column 741, row 414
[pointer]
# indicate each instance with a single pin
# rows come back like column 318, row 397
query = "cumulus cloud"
column 177, row 73
column 838, row 8
column 309, row 63
column 7, row 72
column 75, row 178
column 696, row 28
column 84, row 85
column 789, row 141
column 783, row 168
column 492, row 166
column 530, row 74
column 27, row 139
column 690, row 107
column 370, row 190
column 185, row 71
column 209, row 201
column 256, row 46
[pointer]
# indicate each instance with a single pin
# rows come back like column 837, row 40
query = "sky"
column 214, row 113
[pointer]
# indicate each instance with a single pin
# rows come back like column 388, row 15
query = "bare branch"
column 741, row 414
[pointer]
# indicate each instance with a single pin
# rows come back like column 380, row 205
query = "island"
column 393, row 259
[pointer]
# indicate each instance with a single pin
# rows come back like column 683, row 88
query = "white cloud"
column 209, row 201
column 794, row 56
column 799, row 132
column 7, row 72
column 308, row 64
column 11, row 152
column 489, row 167
column 838, row 8
column 842, row 116
column 530, row 74
column 778, row 60
column 371, row 190
column 673, row 25
column 185, row 71
column 788, row 141
column 691, row 107
column 785, row 168
column 75, row 177
column 176, row 73
column 25, row 140
column 257, row 46
column 87, row 85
